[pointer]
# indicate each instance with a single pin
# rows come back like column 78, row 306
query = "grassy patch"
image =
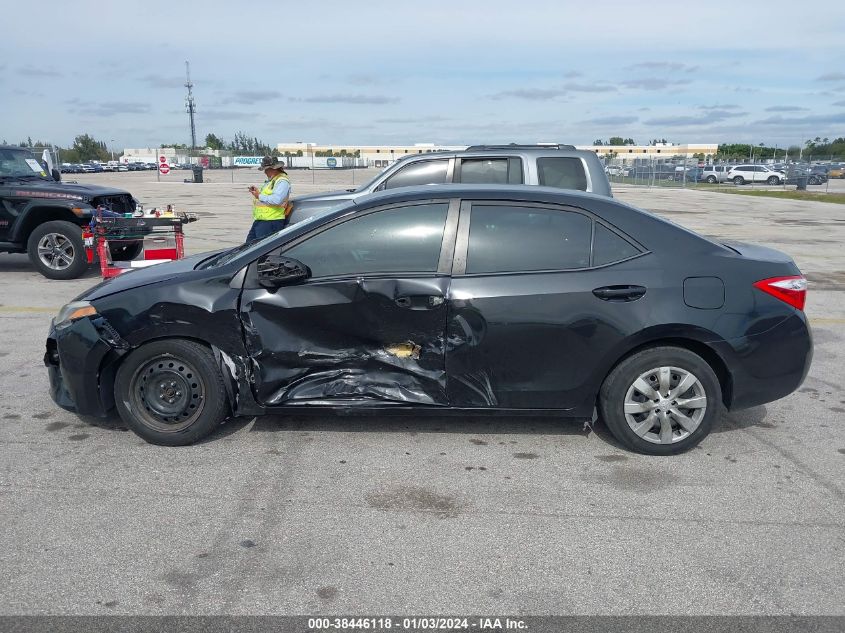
column 836, row 198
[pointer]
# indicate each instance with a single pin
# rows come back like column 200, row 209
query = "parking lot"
column 363, row 515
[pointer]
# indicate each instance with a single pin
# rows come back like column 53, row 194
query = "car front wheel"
column 661, row 401
column 170, row 392
column 57, row 250
column 773, row 180
column 711, row 180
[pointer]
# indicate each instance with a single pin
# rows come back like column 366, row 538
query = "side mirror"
column 275, row 271
column 57, row 175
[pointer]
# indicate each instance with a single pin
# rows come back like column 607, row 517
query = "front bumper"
column 81, row 361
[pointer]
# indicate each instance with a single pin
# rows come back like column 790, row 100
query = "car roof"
column 528, row 193
column 499, row 150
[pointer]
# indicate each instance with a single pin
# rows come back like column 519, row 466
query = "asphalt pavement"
column 395, row 515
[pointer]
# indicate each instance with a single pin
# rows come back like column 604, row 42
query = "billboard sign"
column 247, row 161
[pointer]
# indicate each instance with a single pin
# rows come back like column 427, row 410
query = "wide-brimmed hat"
column 268, row 162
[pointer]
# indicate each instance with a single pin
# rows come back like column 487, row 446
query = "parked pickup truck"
column 560, row 166
column 42, row 216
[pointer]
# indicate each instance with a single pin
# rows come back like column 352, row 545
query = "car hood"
column 68, row 188
column 145, row 276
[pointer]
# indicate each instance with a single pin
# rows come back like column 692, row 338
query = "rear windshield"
column 563, row 173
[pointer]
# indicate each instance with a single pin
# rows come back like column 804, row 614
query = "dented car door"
column 368, row 324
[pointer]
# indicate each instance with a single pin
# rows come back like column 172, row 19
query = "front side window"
column 564, row 173
column 426, row 172
column 397, row 240
column 505, row 238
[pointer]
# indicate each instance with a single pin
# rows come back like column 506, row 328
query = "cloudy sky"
column 425, row 71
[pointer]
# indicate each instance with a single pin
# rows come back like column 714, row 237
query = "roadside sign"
column 331, row 162
column 164, row 168
column 162, row 159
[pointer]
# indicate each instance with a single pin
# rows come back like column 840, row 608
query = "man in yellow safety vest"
column 271, row 203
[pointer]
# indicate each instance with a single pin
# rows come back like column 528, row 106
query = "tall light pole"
column 190, row 106
column 112, row 150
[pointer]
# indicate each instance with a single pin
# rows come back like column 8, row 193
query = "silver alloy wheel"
column 665, row 405
column 56, row 251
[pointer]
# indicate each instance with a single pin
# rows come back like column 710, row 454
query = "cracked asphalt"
column 382, row 515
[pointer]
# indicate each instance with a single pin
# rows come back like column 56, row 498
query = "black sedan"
column 451, row 298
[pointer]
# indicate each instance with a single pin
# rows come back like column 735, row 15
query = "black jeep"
column 42, row 216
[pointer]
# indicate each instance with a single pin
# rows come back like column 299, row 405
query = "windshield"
column 20, row 164
column 370, row 183
column 248, row 249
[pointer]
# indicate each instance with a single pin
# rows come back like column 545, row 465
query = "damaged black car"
column 446, row 299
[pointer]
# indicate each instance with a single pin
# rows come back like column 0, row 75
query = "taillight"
column 791, row 290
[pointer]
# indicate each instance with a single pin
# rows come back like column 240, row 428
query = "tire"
column 57, row 251
column 739, row 180
column 711, row 180
column 646, row 431
column 773, row 180
column 126, row 252
column 170, row 392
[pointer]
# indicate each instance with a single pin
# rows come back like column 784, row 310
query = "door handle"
column 420, row 302
column 620, row 293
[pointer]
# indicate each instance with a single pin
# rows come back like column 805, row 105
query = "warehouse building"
column 383, row 155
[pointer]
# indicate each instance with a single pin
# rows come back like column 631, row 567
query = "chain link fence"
column 813, row 172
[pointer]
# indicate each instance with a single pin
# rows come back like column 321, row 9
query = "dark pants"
column 263, row 228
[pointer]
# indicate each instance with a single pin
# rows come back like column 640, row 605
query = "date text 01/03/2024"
column 415, row 624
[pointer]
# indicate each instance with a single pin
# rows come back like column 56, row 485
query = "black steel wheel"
column 170, row 392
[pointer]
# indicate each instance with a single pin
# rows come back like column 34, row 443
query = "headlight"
column 75, row 310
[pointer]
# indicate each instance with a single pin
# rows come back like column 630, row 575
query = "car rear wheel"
column 711, row 180
column 122, row 252
column 57, row 250
column 170, row 392
column 661, row 401
column 739, row 180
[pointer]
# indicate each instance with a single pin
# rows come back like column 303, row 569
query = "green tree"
column 212, row 141
column 85, row 147
column 616, row 140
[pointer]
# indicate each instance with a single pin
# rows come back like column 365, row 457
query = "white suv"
column 742, row 174
column 714, row 173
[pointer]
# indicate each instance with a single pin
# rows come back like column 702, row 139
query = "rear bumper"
column 80, row 361
column 770, row 365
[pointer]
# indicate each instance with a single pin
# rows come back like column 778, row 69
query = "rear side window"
column 512, row 239
column 427, row 172
column 491, row 171
column 564, row 173
column 608, row 247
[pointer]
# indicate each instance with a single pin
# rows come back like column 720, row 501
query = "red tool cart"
column 150, row 239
